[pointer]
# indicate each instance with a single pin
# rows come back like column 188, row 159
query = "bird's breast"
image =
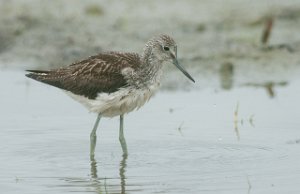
column 120, row 102
column 125, row 100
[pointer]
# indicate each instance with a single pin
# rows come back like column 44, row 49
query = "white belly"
column 123, row 101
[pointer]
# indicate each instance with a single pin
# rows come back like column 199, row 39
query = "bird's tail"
column 37, row 74
column 48, row 77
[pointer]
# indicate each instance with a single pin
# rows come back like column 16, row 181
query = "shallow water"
column 204, row 141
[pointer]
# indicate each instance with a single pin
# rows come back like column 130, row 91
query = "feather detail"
column 96, row 74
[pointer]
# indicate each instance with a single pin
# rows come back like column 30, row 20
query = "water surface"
column 204, row 141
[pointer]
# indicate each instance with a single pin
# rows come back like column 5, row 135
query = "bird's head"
column 164, row 49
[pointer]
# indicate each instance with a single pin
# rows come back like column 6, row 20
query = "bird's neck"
column 151, row 67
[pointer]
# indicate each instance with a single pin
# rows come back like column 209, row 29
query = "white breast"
column 123, row 101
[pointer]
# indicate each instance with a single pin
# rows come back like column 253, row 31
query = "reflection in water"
column 235, row 121
column 122, row 173
column 226, row 75
column 94, row 173
column 96, row 182
column 240, row 121
column 251, row 120
column 269, row 86
column 249, row 185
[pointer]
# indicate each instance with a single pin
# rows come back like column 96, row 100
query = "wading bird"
column 114, row 83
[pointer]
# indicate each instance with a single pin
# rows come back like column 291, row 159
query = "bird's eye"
column 166, row 48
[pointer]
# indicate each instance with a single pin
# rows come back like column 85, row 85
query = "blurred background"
column 215, row 38
column 235, row 131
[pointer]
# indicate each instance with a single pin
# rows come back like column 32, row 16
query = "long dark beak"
column 175, row 62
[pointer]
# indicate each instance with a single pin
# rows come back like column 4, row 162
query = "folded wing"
column 96, row 74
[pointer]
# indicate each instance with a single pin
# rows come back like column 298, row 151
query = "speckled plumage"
column 97, row 74
column 112, row 83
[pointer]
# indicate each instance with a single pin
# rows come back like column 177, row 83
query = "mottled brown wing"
column 96, row 74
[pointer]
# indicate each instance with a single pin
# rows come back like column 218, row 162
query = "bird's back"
column 101, row 73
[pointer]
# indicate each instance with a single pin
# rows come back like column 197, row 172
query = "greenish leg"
column 121, row 136
column 93, row 136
